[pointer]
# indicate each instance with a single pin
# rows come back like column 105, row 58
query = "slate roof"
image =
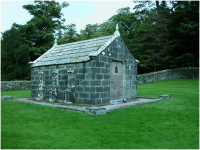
column 73, row 52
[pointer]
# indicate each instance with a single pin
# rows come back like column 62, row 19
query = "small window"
column 116, row 69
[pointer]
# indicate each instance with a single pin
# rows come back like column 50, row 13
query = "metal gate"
column 116, row 83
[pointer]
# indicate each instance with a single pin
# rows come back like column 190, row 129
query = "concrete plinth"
column 95, row 111
column 6, row 97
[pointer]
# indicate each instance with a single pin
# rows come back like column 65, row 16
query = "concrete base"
column 6, row 97
column 68, row 103
column 95, row 111
column 165, row 96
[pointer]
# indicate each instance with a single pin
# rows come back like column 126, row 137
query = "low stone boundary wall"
column 178, row 73
column 15, row 85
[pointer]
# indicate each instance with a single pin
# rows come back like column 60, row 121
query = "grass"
column 17, row 93
column 166, row 124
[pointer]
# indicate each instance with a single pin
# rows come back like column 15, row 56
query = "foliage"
column 184, row 48
column 69, row 35
column 165, row 124
column 24, row 43
column 89, row 31
column 77, row 57
column 154, row 34
column 99, row 46
column 151, row 34
column 14, row 56
column 127, row 21
column 105, row 29
column 39, row 31
column 162, row 41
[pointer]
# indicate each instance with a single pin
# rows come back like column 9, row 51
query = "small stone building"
column 90, row 72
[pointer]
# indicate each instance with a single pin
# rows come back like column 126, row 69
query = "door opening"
column 116, row 82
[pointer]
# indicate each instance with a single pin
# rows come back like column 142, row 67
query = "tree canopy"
column 160, row 34
column 35, row 37
column 14, row 56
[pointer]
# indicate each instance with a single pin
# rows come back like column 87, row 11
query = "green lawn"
column 17, row 93
column 166, row 124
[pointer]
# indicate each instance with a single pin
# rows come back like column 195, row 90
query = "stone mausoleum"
column 90, row 72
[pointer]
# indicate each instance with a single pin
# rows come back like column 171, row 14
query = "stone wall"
column 178, row 73
column 15, row 85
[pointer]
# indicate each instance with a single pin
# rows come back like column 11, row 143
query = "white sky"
column 80, row 13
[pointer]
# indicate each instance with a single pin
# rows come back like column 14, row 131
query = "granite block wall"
column 56, row 82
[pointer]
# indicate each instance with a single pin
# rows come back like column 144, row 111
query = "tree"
column 15, row 56
column 40, row 30
column 127, row 22
column 163, row 40
column 60, row 37
column 89, row 32
column 184, row 48
column 104, row 29
column 69, row 36
column 152, row 36
column 96, row 30
column 24, row 43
